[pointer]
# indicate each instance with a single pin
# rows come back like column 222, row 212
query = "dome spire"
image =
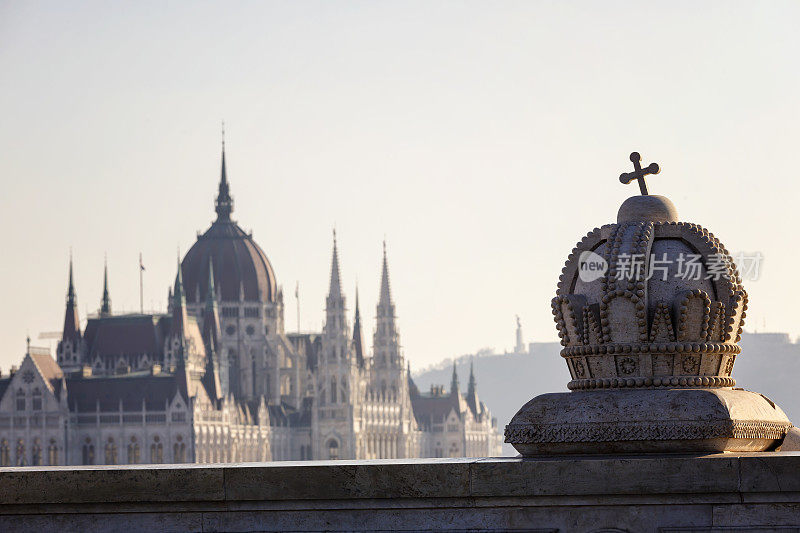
column 224, row 204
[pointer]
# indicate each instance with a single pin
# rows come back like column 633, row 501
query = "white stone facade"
column 218, row 379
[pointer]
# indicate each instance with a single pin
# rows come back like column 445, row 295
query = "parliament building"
column 218, row 379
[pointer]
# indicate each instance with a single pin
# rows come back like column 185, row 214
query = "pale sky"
column 483, row 139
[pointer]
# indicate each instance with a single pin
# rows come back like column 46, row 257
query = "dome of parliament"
column 241, row 269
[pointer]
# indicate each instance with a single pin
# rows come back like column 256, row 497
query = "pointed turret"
column 385, row 298
column 211, row 324
column 358, row 336
column 178, row 296
column 105, row 303
column 335, row 320
column 386, row 345
column 335, row 290
column 179, row 316
column 472, row 387
column 454, row 388
column 472, row 393
column 188, row 369
column 72, row 324
column 68, row 352
column 336, row 338
column 211, row 380
column 224, row 203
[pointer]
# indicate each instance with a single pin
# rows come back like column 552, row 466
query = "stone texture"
column 642, row 420
column 644, row 493
column 348, row 479
column 791, row 443
column 108, row 484
column 650, row 207
column 604, row 475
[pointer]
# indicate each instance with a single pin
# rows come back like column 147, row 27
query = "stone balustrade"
column 666, row 493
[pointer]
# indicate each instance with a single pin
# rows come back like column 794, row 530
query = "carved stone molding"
column 631, row 431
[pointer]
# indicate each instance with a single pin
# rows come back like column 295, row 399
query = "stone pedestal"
column 647, row 421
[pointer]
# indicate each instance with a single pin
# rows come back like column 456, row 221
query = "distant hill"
column 769, row 364
column 505, row 381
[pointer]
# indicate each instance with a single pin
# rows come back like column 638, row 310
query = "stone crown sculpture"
column 668, row 310
column 649, row 311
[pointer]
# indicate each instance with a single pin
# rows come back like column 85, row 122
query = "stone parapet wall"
column 752, row 492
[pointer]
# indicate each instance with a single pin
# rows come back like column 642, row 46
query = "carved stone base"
column 647, row 421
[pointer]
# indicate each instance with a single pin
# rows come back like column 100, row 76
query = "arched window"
column 37, row 399
column 5, row 453
column 36, row 456
column 179, row 451
column 454, row 450
column 111, row 452
column 88, row 452
column 333, row 389
column 21, row 461
column 333, row 449
column 52, row 453
column 20, row 400
column 156, row 451
column 286, row 388
column 133, row 452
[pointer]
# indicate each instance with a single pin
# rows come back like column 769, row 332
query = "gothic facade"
column 217, row 378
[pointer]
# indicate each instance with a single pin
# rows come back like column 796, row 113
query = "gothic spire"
column 179, row 317
column 454, row 389
column 385, row 298
column 472, row 387
column 358, row 336
column 211, row 325
column 386, row 345
column 211, row 335
column 224, row 205
column 105, row 304
column 211, row 299
column 178, row 296
column 211, row 379
column 71, row 300
column 72, row 327
column 472, row 393
column 335, row 286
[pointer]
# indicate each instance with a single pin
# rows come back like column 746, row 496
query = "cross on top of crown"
column 639, row 173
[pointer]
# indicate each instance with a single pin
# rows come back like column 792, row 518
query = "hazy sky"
column 482, row 139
